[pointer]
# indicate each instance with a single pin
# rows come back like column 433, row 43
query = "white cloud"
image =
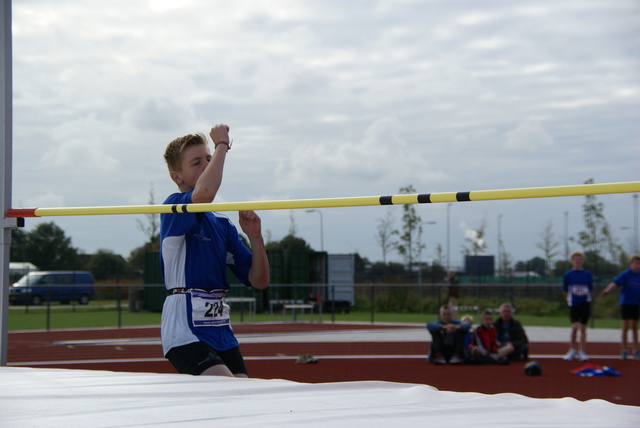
column 528, row 136
column 381, row 156
column 80, row 148
column 158, row 114
column 162, row 6
column 489, row 44
column 539, row 68
column 46, row 199
column 477, row 18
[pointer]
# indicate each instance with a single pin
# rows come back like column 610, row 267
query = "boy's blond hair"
column 175, row 149
column 634, row 257
column 576, row 253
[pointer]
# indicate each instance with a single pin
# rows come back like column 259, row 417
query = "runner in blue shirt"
column 195, row 251
column 577, row 286
column 629, row 283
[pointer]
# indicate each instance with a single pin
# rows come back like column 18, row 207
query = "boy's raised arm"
column 209, row 182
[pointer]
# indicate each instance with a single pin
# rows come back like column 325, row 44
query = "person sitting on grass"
column 448, row 336
column 510, row 330
column 484, row 347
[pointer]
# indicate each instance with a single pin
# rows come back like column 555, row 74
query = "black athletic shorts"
column 196, row 357
column 630, row 312
column 580, row 313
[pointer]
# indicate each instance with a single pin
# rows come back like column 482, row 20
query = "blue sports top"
column 578, row 285
column 195, row 251
column 629, row 283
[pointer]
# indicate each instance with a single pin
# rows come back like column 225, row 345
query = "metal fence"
column 315, row 300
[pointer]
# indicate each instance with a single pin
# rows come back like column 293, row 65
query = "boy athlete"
column 577, row 286
column 195, row 251
column 629, row 283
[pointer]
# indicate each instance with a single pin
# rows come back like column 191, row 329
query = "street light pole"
column 448, row 227
column 321, row 227
column 635, row 221
column 566, row 235
column 500, row 263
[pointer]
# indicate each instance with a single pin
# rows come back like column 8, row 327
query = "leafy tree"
column 602, row 267
column 385, row 234
column 548, row 245
column 437, row 272
column 18, row 243
column 105, row 264
column 560, row 267
column 289, row 243
column 293, row 228
column 440, row 255
column 502, row 263
column 597, row 238
column 410, row 238
column 135, row 261
column 47, row 247
column 536, row 264
column 152, row 227
column 360, row 264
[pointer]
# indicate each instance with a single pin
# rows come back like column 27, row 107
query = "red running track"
column 138, row 350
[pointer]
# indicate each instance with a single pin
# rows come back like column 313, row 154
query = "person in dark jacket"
column 511, row 331
column 448, row 337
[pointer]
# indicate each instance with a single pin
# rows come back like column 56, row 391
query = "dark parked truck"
column 53, row 286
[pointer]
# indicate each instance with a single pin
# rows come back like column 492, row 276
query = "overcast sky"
column 331, row 99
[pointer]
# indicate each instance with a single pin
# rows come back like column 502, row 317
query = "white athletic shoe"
column 582, row 356
column 455, row 360
column 570, row 355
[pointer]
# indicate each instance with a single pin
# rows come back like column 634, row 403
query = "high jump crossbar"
column 401, row 199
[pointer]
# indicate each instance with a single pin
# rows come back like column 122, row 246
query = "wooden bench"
column 293, row 307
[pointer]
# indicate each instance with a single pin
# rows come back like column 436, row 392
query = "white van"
column 19, row 269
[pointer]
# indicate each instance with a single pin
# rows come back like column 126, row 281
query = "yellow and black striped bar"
column 358, row 201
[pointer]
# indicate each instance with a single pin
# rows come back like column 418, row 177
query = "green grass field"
column 105, row 314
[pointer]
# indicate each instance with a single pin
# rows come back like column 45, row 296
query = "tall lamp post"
column 636, row 241
column 321, row 227
column 500, row 263
column 448, row 233
column 566, row 235
column 635, row 221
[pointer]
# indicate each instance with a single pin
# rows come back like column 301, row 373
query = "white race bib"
column 580, row 290
column 209, row 309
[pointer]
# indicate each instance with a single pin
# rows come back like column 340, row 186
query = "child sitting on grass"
column 484, row 347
